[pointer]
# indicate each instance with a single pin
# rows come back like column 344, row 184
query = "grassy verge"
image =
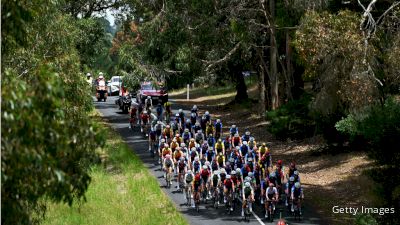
column 122, row 192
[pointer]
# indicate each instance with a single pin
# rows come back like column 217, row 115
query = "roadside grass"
column 122, row 191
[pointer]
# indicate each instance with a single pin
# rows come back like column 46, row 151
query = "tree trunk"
column 241, row 88
column 273, row 64
column 261, row 84
column 289, row 73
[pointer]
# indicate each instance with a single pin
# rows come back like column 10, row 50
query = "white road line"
column 255, row 215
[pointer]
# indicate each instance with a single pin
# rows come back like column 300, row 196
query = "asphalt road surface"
column 207, row 214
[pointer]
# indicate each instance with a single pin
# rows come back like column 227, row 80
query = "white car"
column 114, row 84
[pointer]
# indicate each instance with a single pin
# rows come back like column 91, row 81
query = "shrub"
column 292, row 120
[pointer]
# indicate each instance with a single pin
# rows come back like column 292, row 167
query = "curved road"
column 207, row 215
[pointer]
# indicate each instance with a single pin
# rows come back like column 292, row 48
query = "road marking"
column 255, row 215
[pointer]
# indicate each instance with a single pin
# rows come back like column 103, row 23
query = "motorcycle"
column 101, row 93
column 124, row 103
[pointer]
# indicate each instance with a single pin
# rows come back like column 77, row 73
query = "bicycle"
column 296, row 209
column 197, row 200
column 204, row 194
column 168, row 177
column 215, row 197
column 188, row 192
column 246, row 211
column 271, row 209
column 228, row 204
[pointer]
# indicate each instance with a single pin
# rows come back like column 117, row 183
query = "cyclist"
column 168, row 166
column 236, row 140
column 189, row 177
column 233, row 130
column 193, row 119
column 279, row 176
column 219, row 147
column 264, row 186
column 168, row 133
column 192, row 143
column 152, row 140
column 184, row 148
column 145, row 121
column 296, row 176
column 218, row 129
column 159, row 110
column 215, row 183
column 133, row 117
column 220, row 159
column 159, row 128
column 250, row 155
column 174, row 144
column 292, row 168
column 166, row 151
column 208, row 116
column 181, row 167
column 148, row 103
column 248, row 197
column 196, row 164
column 205, row 175
column 288, row 190
column 186, row 136
column 181, row 116
column 297, row 195
column 210, row 154
column 244, row 149
column 229, row 186
column 196, row 128
column 246, row 136
column 194, row 110
column 177, row 155
column 161, row 145
column 197, row 184
column 188, row 125
column 168, row 111
column 209, row 129
column 193, row 153
column 211, row 140
column 199, row 137
column 252, row 143
column 214, row 165
column 203, row 122
column 272, row 196
column 179, row 139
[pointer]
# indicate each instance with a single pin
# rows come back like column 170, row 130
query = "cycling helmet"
column 247, row 133
column 207, row 163
column 205, row 167
column 291, row 179
column 148, row 97
column 207, row 113
column 168, row 126
column 247, row 184
column 219, row 140
column 271, row 184
column 228, row 176
column 264, row 144
column 237, row 148
column 247, row 179
column 168, row 156
column 244, row 142
column 189, row 171
column 233, row 172
column 196, row 158
column 193, row 149
column 238, row 171
column 218, row 121
column 193, row 115
column 250, row 159
column 183, row 145
column 236, row 135
column 292, row 164
column 166, row 145
column 222, row 170
column 251, row 174
column 251, row 138
column 197, row 124
column 192, row 139
column 272, row 174
column 297, row 185
column 101, row 74
column 177, row 135
column 216, row 172
column 144, row 112
column 280, row 162
column 186, row 130
column 182, row 158
column 180, row 110
column 296, row 172
column 187, row 120
column 158, row 122
column 233, row 126
column 88, row 74
column 163, row 140
column 231, row 160
column 195, row 107
column 177, row 115
column 199, row 131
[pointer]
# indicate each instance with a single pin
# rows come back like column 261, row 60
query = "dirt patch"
column 328, row 180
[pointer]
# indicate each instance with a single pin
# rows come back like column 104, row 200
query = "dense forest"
column 326, row 67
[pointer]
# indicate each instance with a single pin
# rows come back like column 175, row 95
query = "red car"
column 157, row 92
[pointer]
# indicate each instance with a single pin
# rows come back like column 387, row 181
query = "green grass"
column 122, row 191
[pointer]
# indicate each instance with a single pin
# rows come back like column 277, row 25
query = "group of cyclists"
column 210, row 166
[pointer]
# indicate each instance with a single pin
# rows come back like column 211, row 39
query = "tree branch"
column 224, row 59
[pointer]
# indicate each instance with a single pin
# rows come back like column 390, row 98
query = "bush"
column 292, row 120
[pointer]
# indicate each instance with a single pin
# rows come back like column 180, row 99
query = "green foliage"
column 292, row 120
column 366, row 219
column 380, row 126
column 48, row 141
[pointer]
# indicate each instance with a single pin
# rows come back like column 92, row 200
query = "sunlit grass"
column 122, row 191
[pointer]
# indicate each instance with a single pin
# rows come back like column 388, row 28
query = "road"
column 207, row 215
